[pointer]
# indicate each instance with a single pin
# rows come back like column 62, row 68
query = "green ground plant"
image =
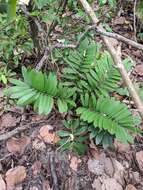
column 87, row 82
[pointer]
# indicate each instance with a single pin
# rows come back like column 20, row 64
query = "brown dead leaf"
column 47, row 135
column 111, row 184
column 109, row 167
column 17, row 145
column 2, row 184
column 139, row 158
column 7, row 120
column 15, row 176
column 96, row 184
column 96, row 166
column 139, row 70
column 119, row 20
column 121, row 147
column 46, row 185
column 130, row 187
column 74, row 163
column 36, row 167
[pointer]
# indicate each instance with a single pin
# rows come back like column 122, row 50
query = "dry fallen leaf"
column 119, row 20
column 139, row 158
column 130, row 187
column 121, row 147
column 17, row 145
column 2, row 184
column 109, row 167
column 97, row 184
column 111, row 184
column 36, row 167
column 15, row 176
column 46, row 185
column 96, row 166
column 7, row 120
column 47, row 135
column 74, row 163
column 119, row 172
column 139, row 69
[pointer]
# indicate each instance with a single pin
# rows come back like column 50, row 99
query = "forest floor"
column 28, row 146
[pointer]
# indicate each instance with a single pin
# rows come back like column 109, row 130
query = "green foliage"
column 139, row 10
column 42, row 91
column 108, row 114
column 5, row 75
column 102, row 137
column 88, row 80
column 15, row 40
column 112, row 3
column 73, row 137
column 91, row 70
column 11, row 9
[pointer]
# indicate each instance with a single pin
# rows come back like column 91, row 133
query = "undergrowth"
column 87, row 83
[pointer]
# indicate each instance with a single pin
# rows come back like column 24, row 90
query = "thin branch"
column 9, row 134
column 94, row 27
column 120, row 38
column 116, row 58
column 135, row 31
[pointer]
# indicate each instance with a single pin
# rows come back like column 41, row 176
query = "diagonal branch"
column 116, row 57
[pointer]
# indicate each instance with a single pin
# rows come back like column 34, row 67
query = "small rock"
column 96, row 166
column 130, row 187
column 139, row 158
column 97, row 184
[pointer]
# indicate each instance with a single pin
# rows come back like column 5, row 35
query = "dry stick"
column 9, row 134
column 120, row 38
column 94, row 27
column 135, row 31
column 116, row 58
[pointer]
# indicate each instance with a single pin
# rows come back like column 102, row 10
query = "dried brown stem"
column 116, row 58
column 9, row 134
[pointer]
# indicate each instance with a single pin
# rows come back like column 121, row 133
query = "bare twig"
column 116, row 58
column 94, row 27
column 9, row 134
column 120, row 38
column 135, row 31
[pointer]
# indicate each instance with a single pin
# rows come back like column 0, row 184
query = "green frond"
column 42, row 91
column 110, row 115
column 88, row 71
